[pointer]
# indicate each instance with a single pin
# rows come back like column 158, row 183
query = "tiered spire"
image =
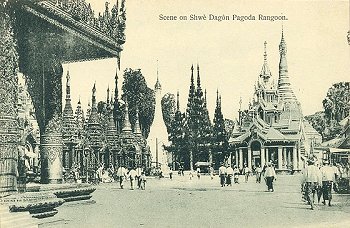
column 127, row 125
column 93, row 118
column 79, row 117
column 69, row 124
column 177, row 101
column 285, row 91
column 265, row 73
column 137, row 129
column 116, row 108
column 68, row 110
column 157, row 86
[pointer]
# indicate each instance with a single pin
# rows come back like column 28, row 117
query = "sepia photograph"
column 183, row 113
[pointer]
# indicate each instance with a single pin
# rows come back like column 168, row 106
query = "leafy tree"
column 336, row 104
column 140, row 97
column 168, row 110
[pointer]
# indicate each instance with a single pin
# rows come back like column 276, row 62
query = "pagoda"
column 273, row 129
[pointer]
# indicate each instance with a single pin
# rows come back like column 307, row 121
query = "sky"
column 229, row 53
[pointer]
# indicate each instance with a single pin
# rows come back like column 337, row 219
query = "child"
column 143, row 181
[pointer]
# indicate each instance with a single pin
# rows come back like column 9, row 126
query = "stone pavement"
column 200, row 203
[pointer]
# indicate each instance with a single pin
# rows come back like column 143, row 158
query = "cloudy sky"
column 230, row 53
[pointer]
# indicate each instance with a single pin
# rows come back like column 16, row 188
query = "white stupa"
column 158, row 135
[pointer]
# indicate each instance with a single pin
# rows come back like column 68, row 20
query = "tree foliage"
column 139, row 96
column 336, row 107
column 220, row 138
column 337, row 102
column 168, row 104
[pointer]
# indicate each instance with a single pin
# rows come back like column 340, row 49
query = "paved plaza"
column 200, row 203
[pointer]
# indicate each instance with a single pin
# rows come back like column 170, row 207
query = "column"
column 295, row 159
column 9, row 132
column 236, row 158
column 284, row 157
column 289, row 160
column 240, row 158
column 267, row 154
column 250, row 157
column 50, row 119
column 210, row 157
column 262, row 157
column 279, row 157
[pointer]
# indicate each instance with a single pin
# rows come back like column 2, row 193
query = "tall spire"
column 285, row 91
column 68, row 111
column 127, row 125
column 265, row 70
column 157, row 86
column 192, row 78
column 137, row 129
column 198, row 77
column 217, row 96
column 107, row 95
column 177, row 101
column 93, row 118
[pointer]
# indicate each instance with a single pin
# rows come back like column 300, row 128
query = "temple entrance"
column 256, row 153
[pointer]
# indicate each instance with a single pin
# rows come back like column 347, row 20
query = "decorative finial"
column 108, row 94
column 265, row 53
column 198, row 77
column 240, row 103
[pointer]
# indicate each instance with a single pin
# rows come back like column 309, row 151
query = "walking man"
column 246, row 172
column 312, row 177
column 211, row 170
column 132, row 176
column 229, row 172
column 270, row 176
column 222, row 173
column 328, row 176
column 258, row 171
column 138, row 176
column 121, row 173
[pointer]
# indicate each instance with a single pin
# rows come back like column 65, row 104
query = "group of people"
column 318, row 181
column 132, row 175
column 227, row 173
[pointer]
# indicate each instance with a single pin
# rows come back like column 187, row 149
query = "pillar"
column 250, row 157
column 210, row 157
column 267, row 155
column 262, row 157
column 236, row 158
column 289, row 160
column 279, row 157
column 240, row 158
column 9, row 132
column 295, row 159
column 284, row 158
column 51, row 140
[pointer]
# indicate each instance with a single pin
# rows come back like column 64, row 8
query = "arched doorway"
column 256, row 152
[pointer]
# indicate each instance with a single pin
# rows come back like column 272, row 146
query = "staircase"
column 16, row 219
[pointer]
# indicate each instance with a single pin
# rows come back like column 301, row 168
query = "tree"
column 197, row 129
column 220, row 139
column 168, row 110
column 336, row 104
column 139, row 96
column 176, row 136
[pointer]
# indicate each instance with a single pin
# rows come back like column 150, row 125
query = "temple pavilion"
column 273, row 128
